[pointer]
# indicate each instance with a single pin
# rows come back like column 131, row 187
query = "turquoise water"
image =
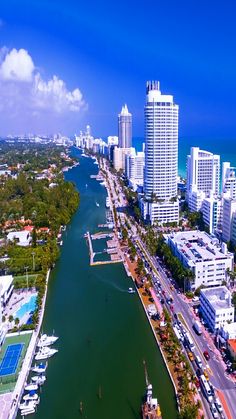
column 225, row 147
column 27, row 307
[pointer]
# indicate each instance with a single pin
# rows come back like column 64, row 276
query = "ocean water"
column 225, row 147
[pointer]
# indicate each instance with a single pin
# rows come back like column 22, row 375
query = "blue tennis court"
column 10, row 361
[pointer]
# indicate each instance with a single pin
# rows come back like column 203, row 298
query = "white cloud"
column 17, row 65
column 54, row 94
column 24, row 91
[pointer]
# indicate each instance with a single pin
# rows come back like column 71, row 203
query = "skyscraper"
column 125, row 128
column 160, row 201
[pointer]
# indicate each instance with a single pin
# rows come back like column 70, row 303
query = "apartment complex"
column 134, row 168
column 216, row 307
column 160, row 203
column 203, row 255
column 203, row 177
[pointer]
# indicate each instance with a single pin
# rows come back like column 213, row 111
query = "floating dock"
column 112, row 250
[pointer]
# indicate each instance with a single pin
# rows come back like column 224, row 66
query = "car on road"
column 206, row 354
column 198, row 372
column 206, row 375
column 218, row 405
column 191, row 356
column 214, row 411
column 197, row 382
column 198, row 361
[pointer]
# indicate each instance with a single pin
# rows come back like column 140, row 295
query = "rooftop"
column 232, row 343
column 198, row 246
column 218, row 297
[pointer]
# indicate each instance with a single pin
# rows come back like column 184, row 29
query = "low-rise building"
column 22, row 238
column 6, row 289
column 216, row 307
column 228, row 220
column 203, row 255
column 212, row 213
column 228, row 331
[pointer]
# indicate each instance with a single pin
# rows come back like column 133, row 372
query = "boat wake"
column 116, row 286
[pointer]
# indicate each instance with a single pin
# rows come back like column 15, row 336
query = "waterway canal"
column 104, row 334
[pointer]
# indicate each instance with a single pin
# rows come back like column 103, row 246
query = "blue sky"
column 107, row 51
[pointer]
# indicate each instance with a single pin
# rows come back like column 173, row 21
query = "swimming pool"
column 28, row 307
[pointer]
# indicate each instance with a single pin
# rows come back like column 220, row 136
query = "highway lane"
column 215, row 366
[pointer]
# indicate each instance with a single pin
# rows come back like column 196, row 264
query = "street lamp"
column 27, row 277
column 33, row 254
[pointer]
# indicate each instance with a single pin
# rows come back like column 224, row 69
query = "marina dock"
column 112, row 250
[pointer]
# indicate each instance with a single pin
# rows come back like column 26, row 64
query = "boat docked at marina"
column 29, row 411
column 32, row 395
column 28, row 404
column 45, row 352
column 150, row 407
column 108, row 202
column 40, row 368
column 31, row 386
column 46, row 340
column 38, row 379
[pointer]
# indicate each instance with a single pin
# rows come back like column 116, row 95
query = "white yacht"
column 131, row 290
column 46, row 340
column 45, row 352
column 38, row 379
column 97, row 204
column 40, row 368
column 28, row 404
column 32, row 395
column 31, row 386
column 29, row 411
column 108, row 202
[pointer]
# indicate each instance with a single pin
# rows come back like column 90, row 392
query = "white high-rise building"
column 212, row 213
column 160, row 203
column 125, row 128
column 119, row 155
column 228, row 219
column 203, row 176
column 134, row 168
column 229, row 180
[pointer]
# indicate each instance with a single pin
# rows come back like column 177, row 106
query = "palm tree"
column 17, row 321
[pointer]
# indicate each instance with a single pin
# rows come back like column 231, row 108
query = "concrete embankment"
column 23, row 375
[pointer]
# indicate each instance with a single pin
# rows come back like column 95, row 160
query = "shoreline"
column 129, row 274
column 23, row 375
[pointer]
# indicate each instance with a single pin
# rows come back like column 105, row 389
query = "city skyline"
column 68, row 54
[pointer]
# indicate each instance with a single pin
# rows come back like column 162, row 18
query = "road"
column 215, row 367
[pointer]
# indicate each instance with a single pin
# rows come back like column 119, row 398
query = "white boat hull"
column 39, row 380
column 31, row 387
column 31, row 398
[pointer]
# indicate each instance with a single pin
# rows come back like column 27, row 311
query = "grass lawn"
column 7, row 383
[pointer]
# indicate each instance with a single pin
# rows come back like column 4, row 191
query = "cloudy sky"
column 64, row 64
